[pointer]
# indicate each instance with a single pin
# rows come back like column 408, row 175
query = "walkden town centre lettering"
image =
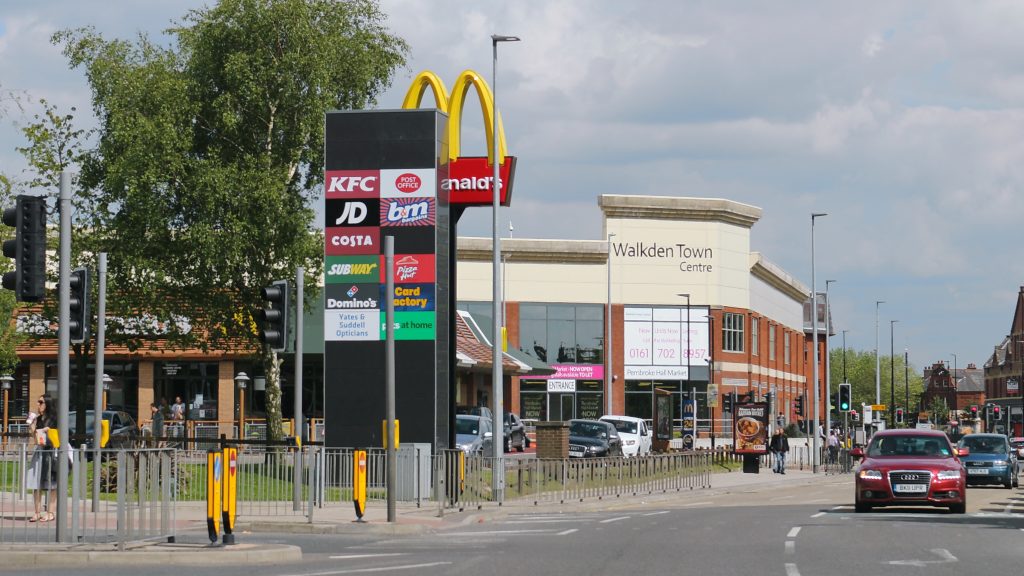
column 655, row 250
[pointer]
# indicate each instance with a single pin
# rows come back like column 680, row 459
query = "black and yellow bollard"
column 230, row 493
column 213, row 485
column 359, row 483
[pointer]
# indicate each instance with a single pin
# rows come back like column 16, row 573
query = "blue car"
column 991, row 459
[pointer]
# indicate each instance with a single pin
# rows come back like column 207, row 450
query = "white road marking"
column 791, row 570
column 556, row 521
column 790, row 547
column 648, row 514
column 498, row 532
column 354, row 556
column 616, row 519
column 770, row 499
column 695, row 503
column 562, row 533
column 945, row 555
column 364, row 570
column 818, row 515
column 1007, row 510
column 792, row 533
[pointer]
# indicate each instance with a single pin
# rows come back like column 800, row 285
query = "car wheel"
column 861, row 507
column 526, row 440
column 960, row 508
column 522, row 443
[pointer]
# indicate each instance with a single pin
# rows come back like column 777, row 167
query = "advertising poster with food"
column 750, row 429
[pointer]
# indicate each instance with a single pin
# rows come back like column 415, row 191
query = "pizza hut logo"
column 408, row 183
column 406, row 268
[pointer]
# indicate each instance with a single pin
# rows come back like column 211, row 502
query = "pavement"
column 410, row 519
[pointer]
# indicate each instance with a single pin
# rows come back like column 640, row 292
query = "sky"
column 902, row 120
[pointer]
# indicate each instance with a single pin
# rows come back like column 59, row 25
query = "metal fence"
column 135, row 498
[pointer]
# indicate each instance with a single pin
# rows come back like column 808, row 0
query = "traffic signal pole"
column 63, row 361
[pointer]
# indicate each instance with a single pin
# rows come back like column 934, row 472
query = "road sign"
column 878, row 407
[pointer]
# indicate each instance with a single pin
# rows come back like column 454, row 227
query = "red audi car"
column 910, row 468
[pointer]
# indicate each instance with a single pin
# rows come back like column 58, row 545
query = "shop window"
column 732, row 332
column 755, row 325
column 788, row 339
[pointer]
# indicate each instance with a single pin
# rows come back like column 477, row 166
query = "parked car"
column 1017, row 443
column 475, row 411
column 636, row 436
column 124, row 432
column 991, row 460
column 515, row 433
column 907, row 467
column 473, row 434
column 593, row 439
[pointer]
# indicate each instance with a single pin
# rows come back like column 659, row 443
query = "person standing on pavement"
column 42, row 470
column 779, row 445
column 157, row 428
column 833, row 447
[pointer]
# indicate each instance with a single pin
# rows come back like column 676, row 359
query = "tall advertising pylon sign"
column 398, row 173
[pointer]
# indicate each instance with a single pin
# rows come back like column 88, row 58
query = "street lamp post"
column 497, row 386
column 608, row 365
column 953, row 381
column 241, row 380
column 847, row 413
column 906, row 384
column 828, row 355
column 6, row 381
column 693, row 391
column 814, row 337
column 892, row 376
column 878, row 373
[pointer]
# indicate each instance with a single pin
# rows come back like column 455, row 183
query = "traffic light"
column 800, row 405
column 275, row 318
column 78, row 326
column 729, row 401
column 899, row 415
column 28, row 248
column 854, row 415
column 844, row 396
column 974, row 411
column 996, row 411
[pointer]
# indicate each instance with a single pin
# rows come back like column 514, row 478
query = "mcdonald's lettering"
column 470, row 179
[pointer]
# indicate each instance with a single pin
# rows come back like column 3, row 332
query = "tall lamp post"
column 878, row 368
column 906, row 383
column 241, row 381
column 828, row 355
column 892, row 376
column 497, row 387
column 693, row 392
column 608, row 366
column 814, row 353
column 954, row 382
column 6, row 381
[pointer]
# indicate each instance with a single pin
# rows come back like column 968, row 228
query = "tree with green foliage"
column 860, row 370
column 209, row 156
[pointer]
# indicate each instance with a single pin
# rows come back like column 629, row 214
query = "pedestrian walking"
column 833, row 447
column 779, row 446
column 42, row 469
column 157, row 427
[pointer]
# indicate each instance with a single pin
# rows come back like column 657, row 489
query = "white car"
column 636, row 436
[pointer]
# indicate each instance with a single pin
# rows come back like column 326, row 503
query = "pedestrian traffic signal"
column 800, row 405
column 974, row 411
column 899, row 415
column 275, row 318
column 995, row 411
column 28, row 248
column 855, row 416
column 78, row 325
column 844, row 396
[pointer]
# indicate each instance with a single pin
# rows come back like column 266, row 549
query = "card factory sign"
column 663, row 344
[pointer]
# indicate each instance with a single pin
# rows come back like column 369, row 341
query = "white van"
column 636, row 436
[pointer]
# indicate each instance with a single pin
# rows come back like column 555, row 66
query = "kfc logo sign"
column 352, row 184
column 407, row 212
column 358, row 240
column 408, row 183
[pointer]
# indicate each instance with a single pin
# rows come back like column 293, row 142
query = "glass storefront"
column 640, row 398
column 196, row 383
column 124, row 386
column 537, row 402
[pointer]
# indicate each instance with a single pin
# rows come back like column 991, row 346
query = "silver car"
column 473, row 434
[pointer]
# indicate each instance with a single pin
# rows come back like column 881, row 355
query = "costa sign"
column 469, row 181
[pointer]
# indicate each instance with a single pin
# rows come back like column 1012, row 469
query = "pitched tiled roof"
column 480, row 353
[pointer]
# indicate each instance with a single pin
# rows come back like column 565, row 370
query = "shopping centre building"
column 675, row 271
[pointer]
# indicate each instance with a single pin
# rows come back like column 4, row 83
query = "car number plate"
column 910, row 488
column 979, row 471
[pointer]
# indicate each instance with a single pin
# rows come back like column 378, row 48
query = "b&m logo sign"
column 407, row 212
